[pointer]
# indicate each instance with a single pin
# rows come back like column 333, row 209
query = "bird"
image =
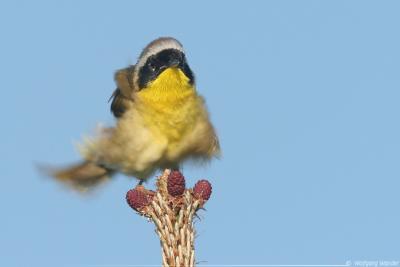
column 161, row 122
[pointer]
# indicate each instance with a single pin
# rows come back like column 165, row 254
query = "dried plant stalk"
column 172, row 211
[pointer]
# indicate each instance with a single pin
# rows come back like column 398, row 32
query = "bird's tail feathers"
column 82, row 176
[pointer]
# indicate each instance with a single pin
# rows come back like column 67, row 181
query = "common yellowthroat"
column 161, row 121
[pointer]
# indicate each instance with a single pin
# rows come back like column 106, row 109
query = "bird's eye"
column 152, row 66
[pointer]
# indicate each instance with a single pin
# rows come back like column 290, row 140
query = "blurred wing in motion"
column 122, row 96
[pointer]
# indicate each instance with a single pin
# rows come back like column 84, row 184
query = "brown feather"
column 122, row 96
column 81, row 176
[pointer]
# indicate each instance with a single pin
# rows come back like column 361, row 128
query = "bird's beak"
column 174, row 62
column 175, row 59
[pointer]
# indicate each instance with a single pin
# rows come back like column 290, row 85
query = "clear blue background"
column 304, row 95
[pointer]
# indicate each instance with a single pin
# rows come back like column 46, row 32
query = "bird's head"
column 162, row 63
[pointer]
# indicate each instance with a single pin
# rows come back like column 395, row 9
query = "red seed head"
column 137, row 198
column 176, row 183
column 202, row 190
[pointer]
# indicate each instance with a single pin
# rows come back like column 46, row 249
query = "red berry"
column 137, row 198
column 202, row 189
column 176, row 183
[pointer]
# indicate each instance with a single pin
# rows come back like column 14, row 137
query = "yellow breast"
column 169, row 105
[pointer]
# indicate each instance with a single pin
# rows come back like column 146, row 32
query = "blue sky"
column 305, row 98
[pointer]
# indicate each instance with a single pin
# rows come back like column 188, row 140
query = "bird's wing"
column 122, row 96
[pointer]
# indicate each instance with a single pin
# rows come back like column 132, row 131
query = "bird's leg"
column 175, row 167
